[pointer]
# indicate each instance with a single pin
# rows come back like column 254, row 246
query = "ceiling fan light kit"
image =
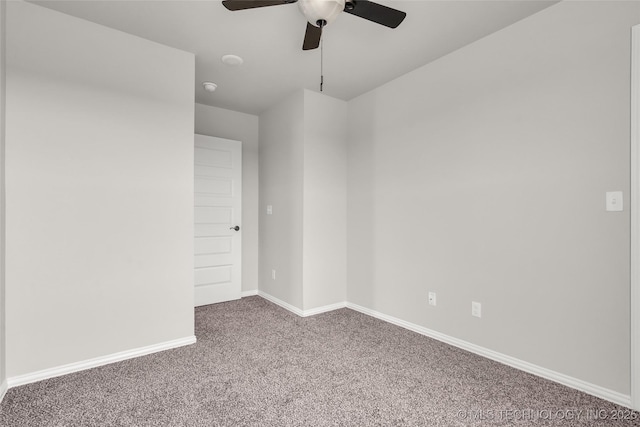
column 321, row 12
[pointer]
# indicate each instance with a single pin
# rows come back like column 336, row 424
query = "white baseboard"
column 98, row 361
column 592, row 389
column 324, row 309
column 299, row 312
column 245, row 294
column 595, row 390
column 285, row 305
column 3, row 389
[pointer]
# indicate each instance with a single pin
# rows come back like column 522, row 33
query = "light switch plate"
column 432, row 298
column 614, row 202
column 476, row 309
column 269, row 210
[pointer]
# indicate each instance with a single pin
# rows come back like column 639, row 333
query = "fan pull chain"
column 321, row 63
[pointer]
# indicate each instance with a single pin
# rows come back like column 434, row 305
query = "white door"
column 217, row 215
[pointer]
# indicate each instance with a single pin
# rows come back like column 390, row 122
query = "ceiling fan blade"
column 251, row 4
column 312, row 37
column 375, row 12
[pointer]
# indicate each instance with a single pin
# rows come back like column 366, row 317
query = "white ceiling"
column 358, row 55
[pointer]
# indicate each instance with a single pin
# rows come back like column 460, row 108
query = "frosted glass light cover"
column 316, row 10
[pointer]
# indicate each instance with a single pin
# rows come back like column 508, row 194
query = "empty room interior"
column 319, row 212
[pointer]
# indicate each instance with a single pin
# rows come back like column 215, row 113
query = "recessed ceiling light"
column 232, row 60
column 209, row 86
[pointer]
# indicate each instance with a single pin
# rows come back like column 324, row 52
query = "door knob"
column 235, row 228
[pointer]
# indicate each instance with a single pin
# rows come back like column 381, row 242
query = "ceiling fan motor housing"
column 321, row 11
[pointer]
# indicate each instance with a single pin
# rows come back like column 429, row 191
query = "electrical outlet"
column 476, row 309
column 432, row 298
column 273, row 274
column 614, row 201
column 269, row 210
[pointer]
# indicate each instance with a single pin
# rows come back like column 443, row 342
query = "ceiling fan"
column 320, row 13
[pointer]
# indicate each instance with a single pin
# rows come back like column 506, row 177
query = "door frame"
column 635, row 217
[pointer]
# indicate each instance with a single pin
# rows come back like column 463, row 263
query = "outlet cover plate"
column 614, row 201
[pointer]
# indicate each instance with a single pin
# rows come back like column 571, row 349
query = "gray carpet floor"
column 256, row 364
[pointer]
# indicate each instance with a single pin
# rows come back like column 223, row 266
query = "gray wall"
column 281, row 183
column 303, row 177
column 482, row 177
column 99, row 191
column 3, row 374
column 229, row 124
column 324, row 201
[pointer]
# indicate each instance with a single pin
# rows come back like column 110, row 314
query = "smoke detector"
column 232, row 60
column 209, row 86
